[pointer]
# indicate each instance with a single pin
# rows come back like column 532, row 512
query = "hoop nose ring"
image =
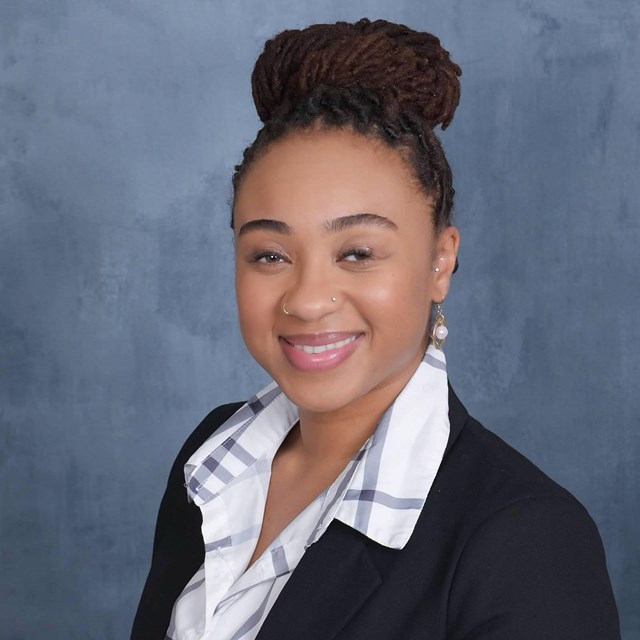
column 288, row 313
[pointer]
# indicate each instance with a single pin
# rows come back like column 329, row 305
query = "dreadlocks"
column 381, row 79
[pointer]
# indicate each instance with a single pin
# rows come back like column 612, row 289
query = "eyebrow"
column 333, row 226
column 346, row 222
column 265, row 223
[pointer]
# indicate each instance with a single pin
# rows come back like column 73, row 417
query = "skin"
column 301, row 239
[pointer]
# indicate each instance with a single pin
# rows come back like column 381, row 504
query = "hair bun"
column 409, row 70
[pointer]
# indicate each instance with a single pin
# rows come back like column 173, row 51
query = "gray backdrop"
column 120, row 123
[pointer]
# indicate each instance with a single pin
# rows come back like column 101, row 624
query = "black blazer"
column 499, row 552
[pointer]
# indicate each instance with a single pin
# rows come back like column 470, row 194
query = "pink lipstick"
column 319, row 351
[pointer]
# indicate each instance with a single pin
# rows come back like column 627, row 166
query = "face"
column 335, row 268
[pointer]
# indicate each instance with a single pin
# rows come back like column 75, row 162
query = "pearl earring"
column 439, row 330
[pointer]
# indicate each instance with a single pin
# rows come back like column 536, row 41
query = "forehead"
column 328, row 173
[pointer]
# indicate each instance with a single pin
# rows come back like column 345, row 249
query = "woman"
column 354, row 497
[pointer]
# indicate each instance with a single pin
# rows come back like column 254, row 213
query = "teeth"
column 324, row 347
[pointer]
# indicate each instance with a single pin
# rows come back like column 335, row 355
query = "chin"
column 319, row 398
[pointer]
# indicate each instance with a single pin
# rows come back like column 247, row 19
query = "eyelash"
column 362, row 255
column 258, row 257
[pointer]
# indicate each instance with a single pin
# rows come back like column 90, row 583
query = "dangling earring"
column 439, row 329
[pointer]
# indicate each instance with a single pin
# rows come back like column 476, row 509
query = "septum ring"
column 288, row 313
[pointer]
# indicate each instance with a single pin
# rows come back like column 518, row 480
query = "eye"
column 267, row 257
column 357, row 254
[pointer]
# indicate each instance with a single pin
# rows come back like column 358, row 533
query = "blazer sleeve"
column 534, row 569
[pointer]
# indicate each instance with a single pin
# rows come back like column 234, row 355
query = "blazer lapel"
column 458, row 417
column 334, row 578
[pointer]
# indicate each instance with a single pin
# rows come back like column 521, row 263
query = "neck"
column 329, row 437
column 336, row 436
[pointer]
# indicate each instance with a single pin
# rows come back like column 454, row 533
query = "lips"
column 321, row 348
column 319, row 352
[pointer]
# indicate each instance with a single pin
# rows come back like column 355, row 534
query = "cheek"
column 253, row 304
column 400, row 304
column 404, row 288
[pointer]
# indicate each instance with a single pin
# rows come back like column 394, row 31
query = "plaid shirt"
column 380, row 493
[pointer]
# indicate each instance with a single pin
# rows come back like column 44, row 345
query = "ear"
column 444, row 261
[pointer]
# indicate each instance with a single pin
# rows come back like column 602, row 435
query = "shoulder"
column 488, row 474
column 484, row 483
column 203, row 432
column 508, row 500
column 174, row 502
column 490, row 485
column 523, row 544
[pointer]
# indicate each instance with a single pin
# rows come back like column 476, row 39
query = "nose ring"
column 288, row 313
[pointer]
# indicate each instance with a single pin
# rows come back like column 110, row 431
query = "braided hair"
column 381, row 79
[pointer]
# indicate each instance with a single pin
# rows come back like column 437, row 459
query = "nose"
column 311, row 294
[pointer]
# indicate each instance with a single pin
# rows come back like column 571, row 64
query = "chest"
column 346, row 587
column 288, row 495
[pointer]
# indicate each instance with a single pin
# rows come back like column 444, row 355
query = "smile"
column 324, row 347
column 319, row 352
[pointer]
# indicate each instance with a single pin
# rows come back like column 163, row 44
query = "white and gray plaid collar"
column 387, row 483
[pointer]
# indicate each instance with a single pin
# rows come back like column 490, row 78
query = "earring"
column 439, row 330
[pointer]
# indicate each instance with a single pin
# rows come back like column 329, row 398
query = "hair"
column 380, row 79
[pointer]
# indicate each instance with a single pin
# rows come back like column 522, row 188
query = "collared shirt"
column 380, row 493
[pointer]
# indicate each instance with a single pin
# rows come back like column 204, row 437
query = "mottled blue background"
column 120, row 123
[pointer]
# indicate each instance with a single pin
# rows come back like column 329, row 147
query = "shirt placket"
column 218, row 571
